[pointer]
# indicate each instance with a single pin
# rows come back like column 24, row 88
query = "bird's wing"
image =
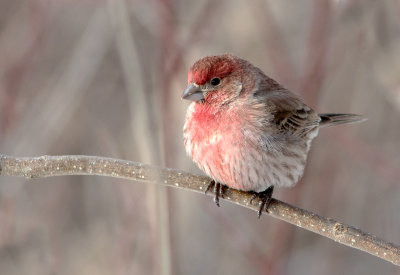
column 290, row 115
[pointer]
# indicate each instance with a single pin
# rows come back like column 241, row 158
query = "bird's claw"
column 218, row 190
column 265, row 198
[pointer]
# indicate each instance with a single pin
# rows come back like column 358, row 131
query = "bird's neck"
column 207, row 115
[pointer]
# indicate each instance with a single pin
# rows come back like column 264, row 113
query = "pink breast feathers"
column 214, row 147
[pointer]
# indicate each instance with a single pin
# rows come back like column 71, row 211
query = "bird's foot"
column 218, row 190
column 265, row 197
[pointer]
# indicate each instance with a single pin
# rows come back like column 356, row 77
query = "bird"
column 245, row 130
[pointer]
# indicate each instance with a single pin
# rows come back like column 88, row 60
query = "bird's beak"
column 193, row 92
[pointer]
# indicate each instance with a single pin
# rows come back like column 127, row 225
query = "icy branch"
column 49, row 166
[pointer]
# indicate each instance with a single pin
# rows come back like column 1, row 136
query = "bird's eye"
column 215, row 81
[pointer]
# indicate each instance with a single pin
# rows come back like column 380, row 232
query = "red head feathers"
column 211, row 66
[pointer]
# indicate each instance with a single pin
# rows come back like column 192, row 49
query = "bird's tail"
column 336, row 119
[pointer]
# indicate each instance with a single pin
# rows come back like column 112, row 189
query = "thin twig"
column 49, row 166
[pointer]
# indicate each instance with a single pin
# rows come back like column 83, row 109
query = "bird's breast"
column 212, row 139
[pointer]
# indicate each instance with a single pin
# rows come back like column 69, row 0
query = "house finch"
column 246, row 131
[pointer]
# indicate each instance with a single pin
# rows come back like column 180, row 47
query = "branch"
column 49, row 166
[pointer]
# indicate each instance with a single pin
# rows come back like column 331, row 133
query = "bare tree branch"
column 49, row 166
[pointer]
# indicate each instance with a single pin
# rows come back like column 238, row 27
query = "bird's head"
column 214, row 79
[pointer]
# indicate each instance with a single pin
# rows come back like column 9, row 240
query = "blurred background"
column 105, row 77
